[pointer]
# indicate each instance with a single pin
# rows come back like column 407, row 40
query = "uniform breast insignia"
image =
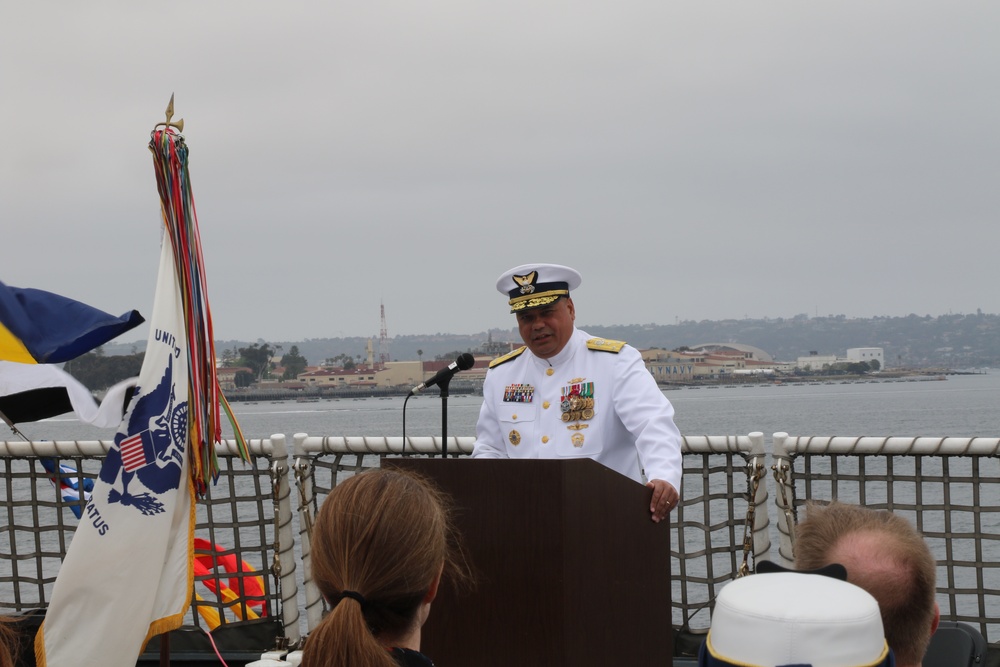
column 577, row 439
column 514, row 437
column 577, row 403
column 605, row 345
column 508, row 357
column 518, row 393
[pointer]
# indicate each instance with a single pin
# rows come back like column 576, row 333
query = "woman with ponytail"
column 381, row 543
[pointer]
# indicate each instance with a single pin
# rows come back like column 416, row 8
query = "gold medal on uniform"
column 570, row 402
column 577, row 401
column 587, row 400
column 514, row 437
column 577, row 404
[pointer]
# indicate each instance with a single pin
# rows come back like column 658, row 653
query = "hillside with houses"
column 681, row 351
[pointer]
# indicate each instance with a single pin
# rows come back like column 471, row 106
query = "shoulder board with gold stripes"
column 605, row 345
column 507, row 357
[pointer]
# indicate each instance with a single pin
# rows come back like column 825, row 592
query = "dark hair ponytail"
column 378, row 543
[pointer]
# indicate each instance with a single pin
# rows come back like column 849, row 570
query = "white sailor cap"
column 795, row 618
column 536, row 285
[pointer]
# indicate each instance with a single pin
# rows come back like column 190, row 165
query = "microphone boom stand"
column 443, row 386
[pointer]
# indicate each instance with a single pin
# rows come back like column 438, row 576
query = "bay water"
column 957, row 406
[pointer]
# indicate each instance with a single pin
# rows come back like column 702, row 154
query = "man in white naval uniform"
column 566, row 394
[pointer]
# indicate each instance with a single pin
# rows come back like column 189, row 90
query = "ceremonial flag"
column 128, row 574
column 30, row 392
column 39, row 327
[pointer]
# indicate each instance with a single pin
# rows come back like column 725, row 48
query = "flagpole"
column 165, row 637
column 13, row 428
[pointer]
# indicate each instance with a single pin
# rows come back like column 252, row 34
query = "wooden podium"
column 571, row 570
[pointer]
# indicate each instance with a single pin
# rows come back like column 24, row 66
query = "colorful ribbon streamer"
column 170, row 159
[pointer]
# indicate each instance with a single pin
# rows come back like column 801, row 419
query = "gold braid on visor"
column 536, row 300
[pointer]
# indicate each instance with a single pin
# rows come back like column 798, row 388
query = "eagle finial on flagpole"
column 170, row 114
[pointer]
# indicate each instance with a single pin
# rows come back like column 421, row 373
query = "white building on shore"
column 818, row 362
column 867, row 354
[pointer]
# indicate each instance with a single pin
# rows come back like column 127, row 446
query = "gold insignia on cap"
column 527, row 282
column 514, row 437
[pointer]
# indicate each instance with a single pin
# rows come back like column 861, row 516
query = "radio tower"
column 383, row 340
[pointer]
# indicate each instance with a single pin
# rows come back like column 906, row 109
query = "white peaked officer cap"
column 536, row 285
column 793, row 618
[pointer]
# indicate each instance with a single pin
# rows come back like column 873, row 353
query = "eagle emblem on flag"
column 151, row 453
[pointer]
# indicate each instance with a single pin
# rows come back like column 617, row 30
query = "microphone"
column 464, row 362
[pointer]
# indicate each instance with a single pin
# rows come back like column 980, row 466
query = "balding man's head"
column 886, row 556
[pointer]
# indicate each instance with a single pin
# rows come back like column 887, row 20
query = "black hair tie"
column 355, row 596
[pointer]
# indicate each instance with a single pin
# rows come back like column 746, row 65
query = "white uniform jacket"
column 538, row 409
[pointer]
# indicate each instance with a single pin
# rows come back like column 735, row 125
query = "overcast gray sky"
column 693, row 160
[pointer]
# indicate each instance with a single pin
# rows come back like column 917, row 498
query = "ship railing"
column 321, row 462
column 247, row 513
column 710, row 542
column 948, row 488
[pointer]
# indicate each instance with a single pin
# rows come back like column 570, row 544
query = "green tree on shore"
column 346, row 361
column 294, row 363
column 243, row 379
column 257, row 358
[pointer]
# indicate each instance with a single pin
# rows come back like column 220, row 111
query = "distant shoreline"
column 922, row 375
column 312, row 395
column 473, row 388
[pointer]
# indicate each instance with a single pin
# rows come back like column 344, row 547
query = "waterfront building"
column 710, row 361
column 669, row 365
column 388, row 374
column 399, row 374
column 818, row 362
column 867, row 354
column 358, row 376
column 475, row 374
